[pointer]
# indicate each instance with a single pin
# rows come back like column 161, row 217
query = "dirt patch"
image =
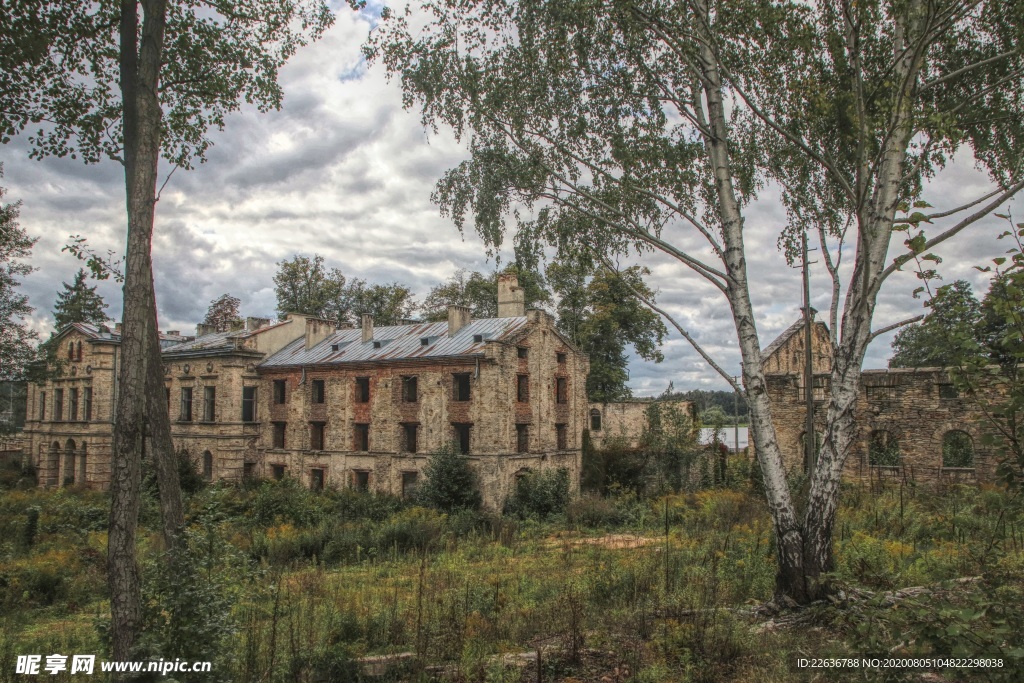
column 611, row 541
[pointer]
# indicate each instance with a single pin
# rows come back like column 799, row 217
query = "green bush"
column 451, row 484
column 539, row 495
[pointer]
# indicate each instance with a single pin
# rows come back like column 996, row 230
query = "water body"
column 726, row 436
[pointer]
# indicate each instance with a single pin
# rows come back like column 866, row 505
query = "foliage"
column 703, row 399
column 79, row 303
column 994, row 381
column 16, row 339
column 670, row 437
column 390, row 304
column 303, row 285
column 62, row 59
column 187, row 604
column 451, row 483
column 539, row 495
column 223, row 313
column 946, row 336
column 479, row 292
column 601, row 315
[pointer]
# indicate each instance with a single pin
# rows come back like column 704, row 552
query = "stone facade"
column 328, row 406
column 911, row 424
column 625, row 420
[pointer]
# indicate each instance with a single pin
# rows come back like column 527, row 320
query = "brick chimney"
column 458, row 317
column 367, row 327
column 203, row 329
column 253, row 324
column 511, row 297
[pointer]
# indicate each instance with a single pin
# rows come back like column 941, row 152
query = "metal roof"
column 104, row 334
column 218, row 341
column 398, row 342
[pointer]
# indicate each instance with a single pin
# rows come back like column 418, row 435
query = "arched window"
column 80, row 477
column 69, row 462
column 53, row 465
column 957, row 449
column 883, row 449
column 71, row 350
column 207, row 464
column 78, row 351
column 595, row 420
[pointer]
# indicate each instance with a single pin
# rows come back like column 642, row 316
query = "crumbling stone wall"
column 915, row 407
column 624, row 420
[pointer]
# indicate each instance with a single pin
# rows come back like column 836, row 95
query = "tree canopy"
column 945, row 336
column 16, row 339
column 79, row 303
column 601, row 315
column 223, row 313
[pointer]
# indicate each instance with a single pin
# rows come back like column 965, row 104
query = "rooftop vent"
column 478, row 338
column 334, row 347
column 376, row 344
column 424, row 341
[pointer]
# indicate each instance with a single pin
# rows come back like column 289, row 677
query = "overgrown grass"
column 288, row 585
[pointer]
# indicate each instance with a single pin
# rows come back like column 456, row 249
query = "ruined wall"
column 624, row 420
column 915, row 407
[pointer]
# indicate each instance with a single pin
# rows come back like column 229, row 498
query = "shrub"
column 451, row 484
column 539, row 494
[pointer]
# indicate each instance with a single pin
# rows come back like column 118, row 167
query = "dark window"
column 560, row 434
column 316, row 479
column 87, row 403
column 319, row 395
column 361, row 480
column 522, row 438
column 948, row 391
column 317, row 431
column 73, row 404
column 560, row 357
column 207, row 465
column 248, row 470
column 278, row 471
column 279, row 391
column 595, row 420
column 186, row 404
column 361, row 438
column 58, row 405
column 71, row 350
column 522, row 351
column 248, row 404
column 42, row 405
column 409, row 389
column 362, row 389
column 883, row 450
column 409, row 431
column 957, row 449
column 523, row 388
column 461, row 434
column 460, row 385
column 881, row 394
column 561, row 390
column 79, row 350
column 409, row 481
column 167, row 395
column 280, row 428
column 209, row 404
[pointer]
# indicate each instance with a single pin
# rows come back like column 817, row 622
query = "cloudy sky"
column 342, row 170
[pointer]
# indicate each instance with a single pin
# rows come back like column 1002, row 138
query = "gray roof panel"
column 397, row 342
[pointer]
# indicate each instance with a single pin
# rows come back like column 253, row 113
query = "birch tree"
column 628, row 127
column 135, row 82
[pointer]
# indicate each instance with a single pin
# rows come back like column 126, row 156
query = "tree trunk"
column 140, row 67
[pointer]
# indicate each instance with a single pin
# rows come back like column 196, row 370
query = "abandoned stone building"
column 911, row 423
column 344, row 407
column 626, row 421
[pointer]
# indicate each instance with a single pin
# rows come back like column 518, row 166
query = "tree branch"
column 890, row 328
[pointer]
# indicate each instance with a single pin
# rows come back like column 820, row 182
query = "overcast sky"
column 342, row 170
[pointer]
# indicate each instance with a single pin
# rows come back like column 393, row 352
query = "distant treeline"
column 726, row 400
